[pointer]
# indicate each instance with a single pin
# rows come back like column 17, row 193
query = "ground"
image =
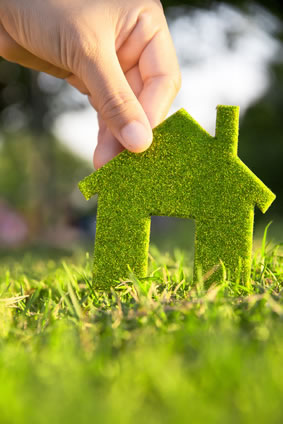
column 158, row 350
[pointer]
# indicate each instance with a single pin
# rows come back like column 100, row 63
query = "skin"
column 117, row 52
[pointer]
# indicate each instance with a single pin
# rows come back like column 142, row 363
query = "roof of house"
column 185, row 172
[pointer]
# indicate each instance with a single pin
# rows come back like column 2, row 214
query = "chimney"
column 227, row 127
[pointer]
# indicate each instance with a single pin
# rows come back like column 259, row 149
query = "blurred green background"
column 230, row 52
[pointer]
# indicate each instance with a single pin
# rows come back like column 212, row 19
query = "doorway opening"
column 172, row 241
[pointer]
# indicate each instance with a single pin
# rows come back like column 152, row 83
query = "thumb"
column 113, row 98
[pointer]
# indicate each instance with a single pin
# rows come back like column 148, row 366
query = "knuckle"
column 146, row 17
column 150, row 16
column 116, row 105
column 175, row 81
column 172, row 82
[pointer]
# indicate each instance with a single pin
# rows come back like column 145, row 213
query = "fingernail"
column 136, row 137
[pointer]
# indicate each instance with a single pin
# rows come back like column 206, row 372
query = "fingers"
column 146, row 27
column 161, row 76
column 149, row 60
column 150, row 45
column 13, row 52
column 108, row 146
column 112, row 96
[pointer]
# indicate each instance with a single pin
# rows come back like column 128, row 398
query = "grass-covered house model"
column 185, row 173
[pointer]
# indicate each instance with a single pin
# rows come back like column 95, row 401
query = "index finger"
column 161, row 76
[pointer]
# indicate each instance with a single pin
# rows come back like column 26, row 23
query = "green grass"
column 157, row 350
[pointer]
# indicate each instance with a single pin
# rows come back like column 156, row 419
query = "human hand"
column 118, row 52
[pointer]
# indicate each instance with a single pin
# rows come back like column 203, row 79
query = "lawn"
column 160, row 350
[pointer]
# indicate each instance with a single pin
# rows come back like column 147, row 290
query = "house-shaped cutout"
column 185, row 173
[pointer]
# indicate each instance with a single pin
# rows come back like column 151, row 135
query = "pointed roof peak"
column 178, row 120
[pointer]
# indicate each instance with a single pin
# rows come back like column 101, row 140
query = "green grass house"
column 185, row 173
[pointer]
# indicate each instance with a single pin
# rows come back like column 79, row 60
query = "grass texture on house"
column 185, row 173
column 159, row 350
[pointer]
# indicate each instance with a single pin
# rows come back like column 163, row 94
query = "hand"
column 118, row 52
